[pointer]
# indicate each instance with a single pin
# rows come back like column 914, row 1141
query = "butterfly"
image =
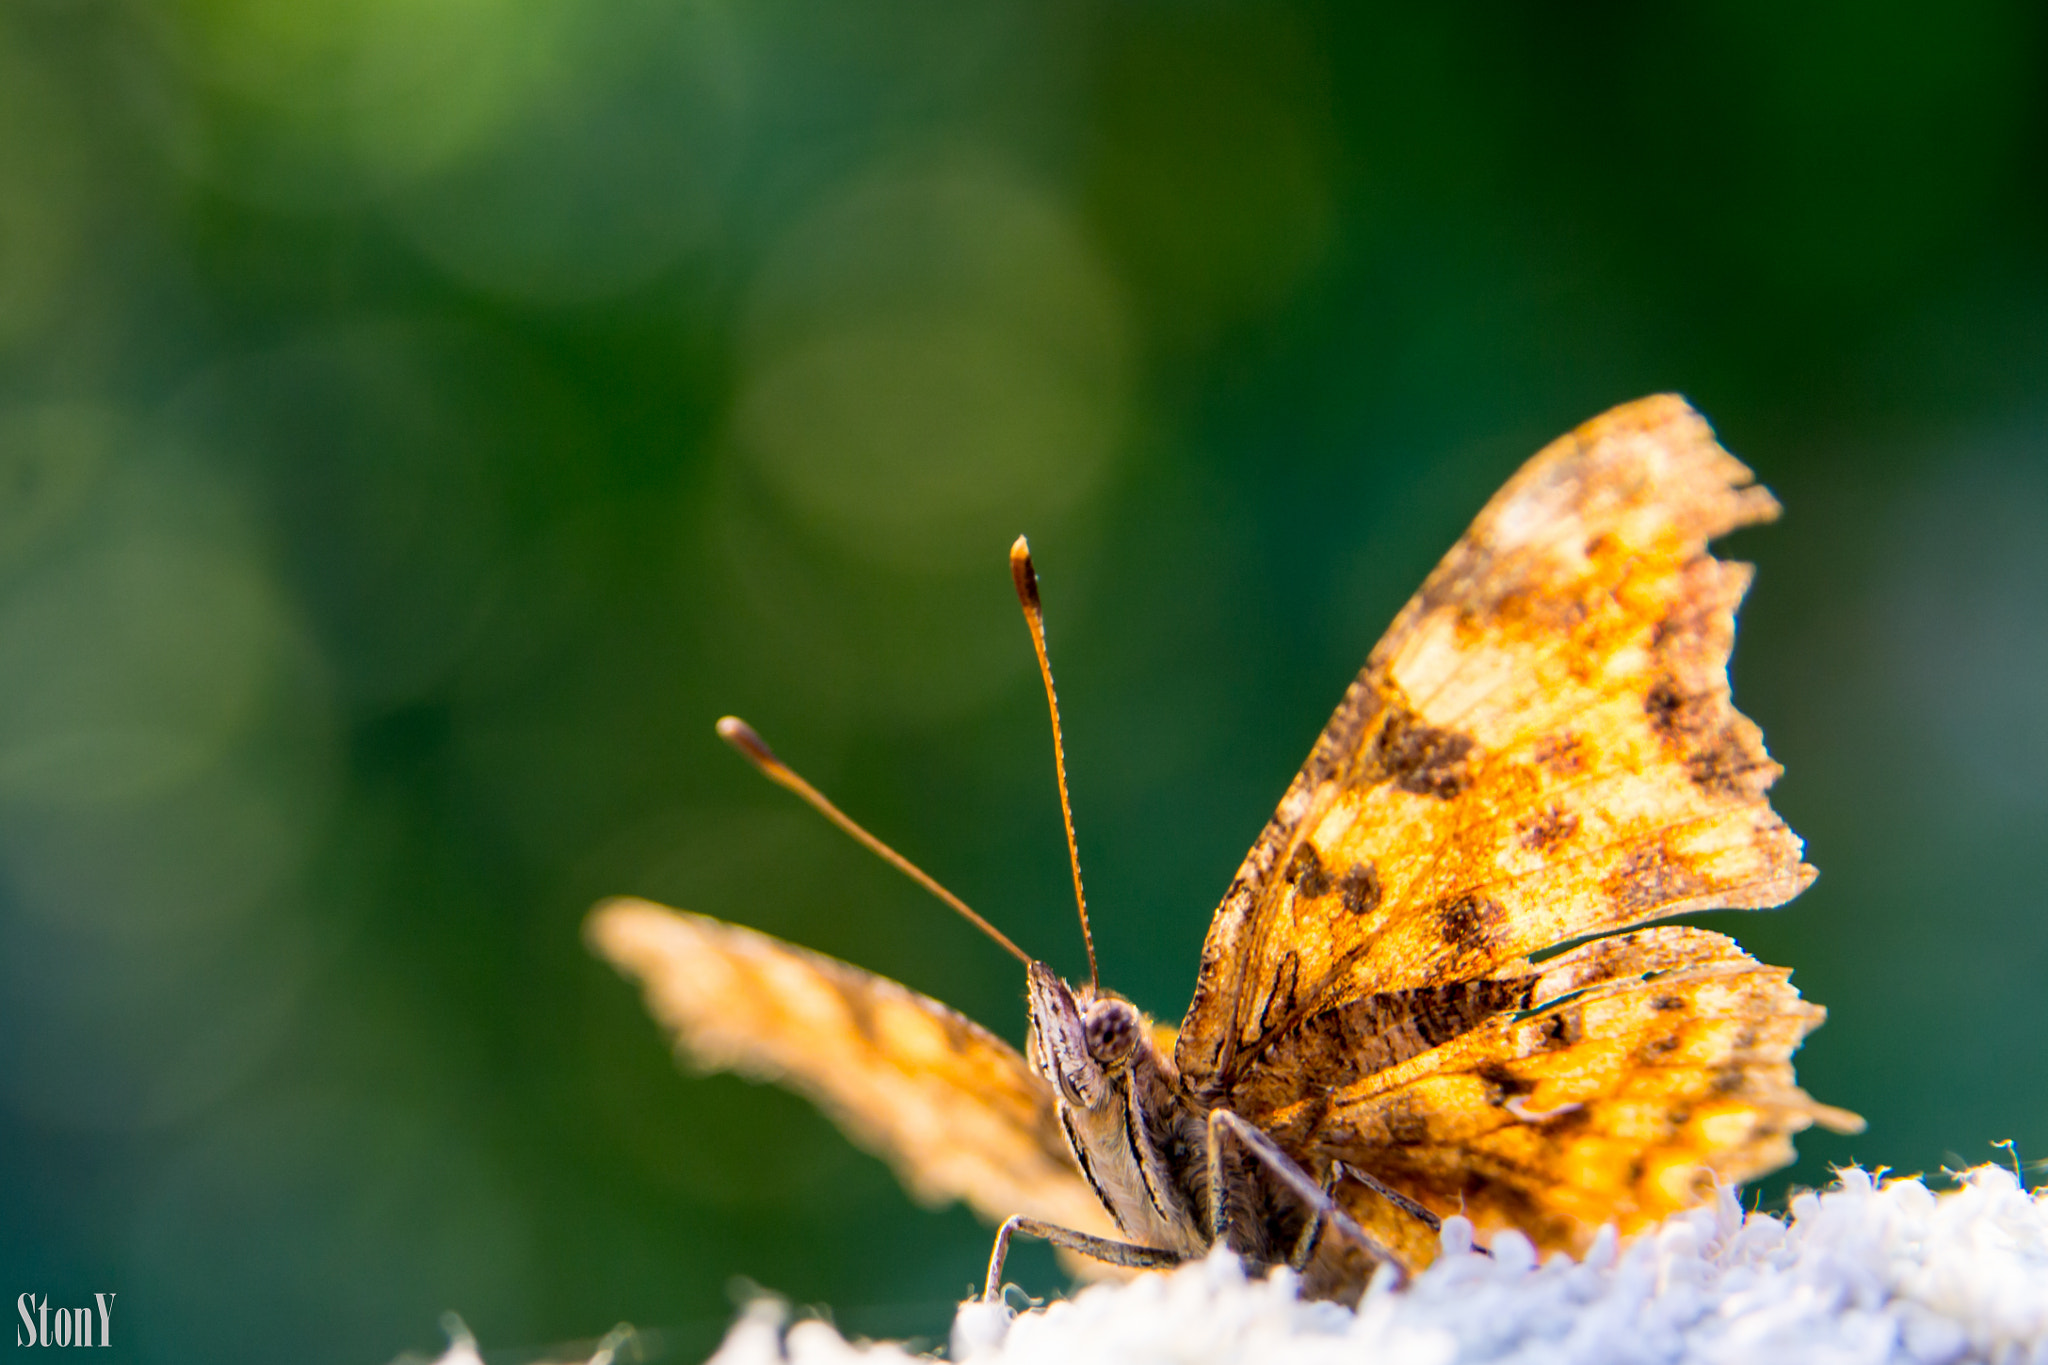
column 1435, row 985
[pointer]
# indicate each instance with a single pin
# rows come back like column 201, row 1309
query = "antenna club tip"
column 1025, row 576
column 741, row 736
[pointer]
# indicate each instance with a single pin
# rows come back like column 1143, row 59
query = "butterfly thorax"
column 1139, row 1141
column 1142, row 1143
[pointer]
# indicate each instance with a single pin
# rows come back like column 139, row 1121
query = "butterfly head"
column 1080, row 1042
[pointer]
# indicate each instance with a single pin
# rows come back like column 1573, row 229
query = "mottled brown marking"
column 1718, row 755
column 1652, row 877
column 1563, row 1029
column 1560, row 755
column 1419, row 758
column 1467, row 922
column 1536, row 611
column 1668, row 1002
column 1658, row 1048
column 1727, row 765
column 1360, row 889
column 1547, row 828
column 1335, row 1046
column 1305, row 871
column 1673, row 715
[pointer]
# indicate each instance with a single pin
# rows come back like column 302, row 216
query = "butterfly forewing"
column 952, row 1108
column 1541, row 748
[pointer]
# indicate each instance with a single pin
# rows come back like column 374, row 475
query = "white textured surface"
column 1863, row 1272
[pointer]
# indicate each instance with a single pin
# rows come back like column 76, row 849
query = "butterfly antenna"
column 741, row 736
column 1026, row 579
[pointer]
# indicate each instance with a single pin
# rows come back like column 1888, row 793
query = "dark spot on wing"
column 1673, row 715
column 1560, row 755
column 1668, row 1002
column 1547, row 828
column 1703, row 730
column 1564, row 1028
column 1467, row 922
column 1417, row 757
column 1506, row 1084
column 1650, row 878
column 1305, row 872
column 1729, row 1081
column 1727, row 765
column 1360, row 889
column 1658, row 1048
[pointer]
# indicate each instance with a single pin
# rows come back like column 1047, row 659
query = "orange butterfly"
column 1541, row 751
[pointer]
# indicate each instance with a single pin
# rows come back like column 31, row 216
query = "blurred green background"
column 420, row 419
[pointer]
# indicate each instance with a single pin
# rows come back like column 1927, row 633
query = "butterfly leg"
column 1228, row 1131
column 1128, row 1254
column 1391, row 1195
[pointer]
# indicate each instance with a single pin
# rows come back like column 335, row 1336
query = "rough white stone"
column 1864, row 1273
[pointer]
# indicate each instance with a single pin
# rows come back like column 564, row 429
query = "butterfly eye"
column 1112, row 1031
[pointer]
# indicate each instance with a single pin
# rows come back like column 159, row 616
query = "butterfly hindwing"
column 954, row 1110
column 1648, row 1067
